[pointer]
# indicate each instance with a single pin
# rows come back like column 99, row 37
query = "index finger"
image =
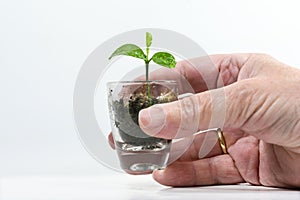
column 203, row 73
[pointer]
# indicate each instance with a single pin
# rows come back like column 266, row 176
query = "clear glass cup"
column 138, row 152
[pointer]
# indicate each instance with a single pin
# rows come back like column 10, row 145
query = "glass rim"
column 133, row 82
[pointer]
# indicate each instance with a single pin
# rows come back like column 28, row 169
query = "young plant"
column 161, row 58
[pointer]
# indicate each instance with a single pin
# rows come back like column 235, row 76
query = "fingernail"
column 152, row 120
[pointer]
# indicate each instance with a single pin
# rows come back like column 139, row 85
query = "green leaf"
column 129, row 50
column 165, row 59
column 148, row 39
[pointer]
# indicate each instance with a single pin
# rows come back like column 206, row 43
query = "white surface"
column 44, row 43
column 127, row 187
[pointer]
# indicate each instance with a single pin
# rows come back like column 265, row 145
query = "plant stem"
column 147, row 79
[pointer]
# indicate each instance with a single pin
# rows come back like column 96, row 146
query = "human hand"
column 261, row 124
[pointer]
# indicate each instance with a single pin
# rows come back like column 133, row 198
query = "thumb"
column 220, row 108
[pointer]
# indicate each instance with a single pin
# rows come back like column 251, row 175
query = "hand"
column 261, row 124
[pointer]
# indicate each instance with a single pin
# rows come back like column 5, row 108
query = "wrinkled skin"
column 261, row 125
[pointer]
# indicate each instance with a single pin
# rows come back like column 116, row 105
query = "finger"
column 195, row 147
column 213, row 71
column 111, row 141
column 209, row 171
column 202, row 73
column 226, row 108
column 171, row 120
column 203, row 145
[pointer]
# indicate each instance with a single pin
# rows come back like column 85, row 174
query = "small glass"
column 138, row 152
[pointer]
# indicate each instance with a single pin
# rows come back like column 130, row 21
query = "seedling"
column 126, row 107
column 161, row 58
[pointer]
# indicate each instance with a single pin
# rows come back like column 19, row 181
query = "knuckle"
column 239, row 101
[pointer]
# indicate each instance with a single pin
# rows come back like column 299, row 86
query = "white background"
column 44, row 43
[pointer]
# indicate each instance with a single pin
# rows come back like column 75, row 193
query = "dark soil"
column 126, row 111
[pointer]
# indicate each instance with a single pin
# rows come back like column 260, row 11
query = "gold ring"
column 222, row 141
